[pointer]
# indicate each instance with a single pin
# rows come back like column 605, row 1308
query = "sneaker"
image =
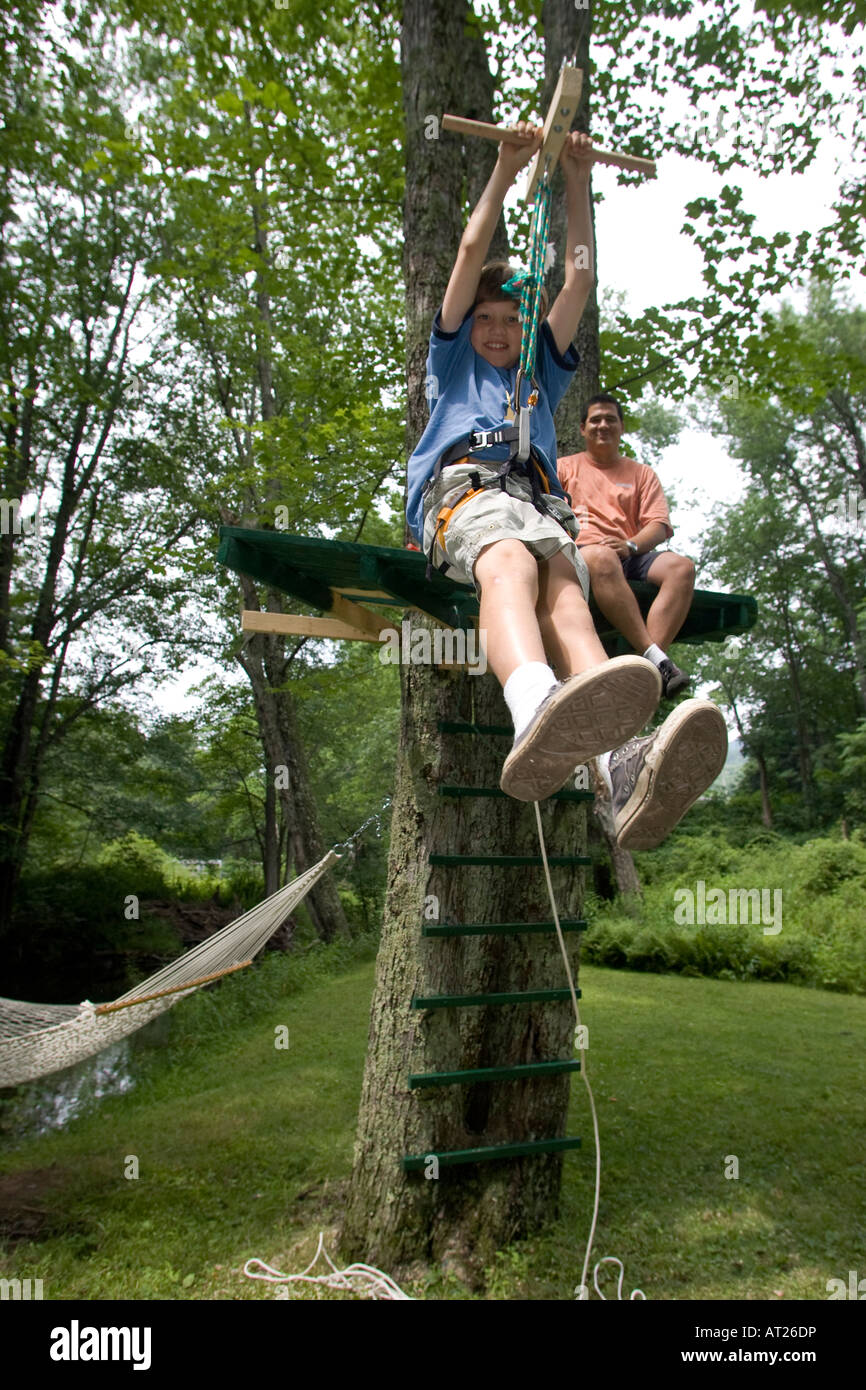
column 656, row 779
column 584, row 715
column 673, row 679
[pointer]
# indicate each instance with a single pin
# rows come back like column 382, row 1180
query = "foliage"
column 814, row 893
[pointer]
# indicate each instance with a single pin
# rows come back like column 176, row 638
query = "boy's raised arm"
column 475, row 242
column 568, row 308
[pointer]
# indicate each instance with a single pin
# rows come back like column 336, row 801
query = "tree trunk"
column 627, row 880
column 395, row 1219
column 766, row 808
column 567, row 32
column 287, row 778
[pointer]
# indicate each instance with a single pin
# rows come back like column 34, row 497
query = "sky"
column 661, row 265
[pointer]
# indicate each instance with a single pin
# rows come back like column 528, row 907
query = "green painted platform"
column 519, row 1072
column 307, row 568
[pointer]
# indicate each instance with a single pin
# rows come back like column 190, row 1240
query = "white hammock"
column 37, row 1039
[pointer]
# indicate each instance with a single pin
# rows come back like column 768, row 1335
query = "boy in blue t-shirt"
column 517, row 544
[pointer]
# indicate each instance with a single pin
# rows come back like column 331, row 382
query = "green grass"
column 242, row 1148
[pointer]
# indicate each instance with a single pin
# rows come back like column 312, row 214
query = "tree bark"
column 400, row 1221
column 396, row 1220
column 627, row 880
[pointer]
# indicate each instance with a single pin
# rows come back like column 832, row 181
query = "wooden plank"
column 296, row 625
column 366, row 593
column 463, row 126
column 356, row 615
column 560, row 115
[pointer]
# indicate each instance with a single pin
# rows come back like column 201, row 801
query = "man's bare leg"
column 614, row 597
column 675, row 577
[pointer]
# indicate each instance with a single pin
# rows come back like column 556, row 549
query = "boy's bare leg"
column 556, row 727
column 564, row 619
column 508, row 574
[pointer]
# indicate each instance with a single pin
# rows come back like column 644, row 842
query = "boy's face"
column 496, row 332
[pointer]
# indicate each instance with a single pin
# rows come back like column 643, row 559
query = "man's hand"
column 514, row 157
column 614, row 543
column 573, row 156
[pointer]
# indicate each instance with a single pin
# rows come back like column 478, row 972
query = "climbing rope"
column 582, row 1292
column 356, row 1278
column 530, row 286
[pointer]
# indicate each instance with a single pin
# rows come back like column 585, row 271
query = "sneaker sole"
column 686, row 759
column 589, row 714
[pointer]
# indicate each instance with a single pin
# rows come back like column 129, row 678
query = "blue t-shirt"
column 467, row 393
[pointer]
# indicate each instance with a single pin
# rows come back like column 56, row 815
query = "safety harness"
column 530, row 468
column 521, row 461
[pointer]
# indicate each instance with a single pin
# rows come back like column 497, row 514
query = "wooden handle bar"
column 463, row 126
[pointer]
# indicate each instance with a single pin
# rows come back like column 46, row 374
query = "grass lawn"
column 242, row 1149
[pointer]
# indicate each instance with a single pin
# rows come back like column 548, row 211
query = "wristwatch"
column 632, row 547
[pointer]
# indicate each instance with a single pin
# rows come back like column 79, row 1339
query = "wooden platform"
column 359, row 589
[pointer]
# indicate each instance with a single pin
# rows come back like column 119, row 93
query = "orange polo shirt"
column 617, row 501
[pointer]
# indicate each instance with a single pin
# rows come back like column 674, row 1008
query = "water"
column 50, row 1104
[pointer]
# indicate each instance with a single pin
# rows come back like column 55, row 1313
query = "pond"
column 26, row 1112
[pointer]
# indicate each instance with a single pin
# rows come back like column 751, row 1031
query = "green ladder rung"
column 505, row 861
column 515, row 1073
column 502, row 928
column 451, row 1157
column 565, row 795
column 450, row 726
column 457, row 1001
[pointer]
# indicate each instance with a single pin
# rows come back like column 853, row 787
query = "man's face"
column 496, row 332
column 602, row 429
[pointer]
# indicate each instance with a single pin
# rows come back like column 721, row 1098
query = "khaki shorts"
column 495, row 515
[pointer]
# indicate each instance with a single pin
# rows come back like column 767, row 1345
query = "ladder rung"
column 565, row 795
column 450, row 726
column 505, row 861
column 501, row 928
column 414, row 1162
column 457, row 1001
column 506, row 929
column 515, row 1073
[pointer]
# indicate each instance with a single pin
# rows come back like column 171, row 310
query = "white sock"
column 655, row 654
column 602, row 762
column 524, row 691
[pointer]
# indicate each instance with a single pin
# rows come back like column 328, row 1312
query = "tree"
column 91, row 592
column 459, row 1219
column 267, row 298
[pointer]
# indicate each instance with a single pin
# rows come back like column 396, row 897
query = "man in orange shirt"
column 623, row 516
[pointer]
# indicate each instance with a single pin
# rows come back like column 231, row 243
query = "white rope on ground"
column 372, row 1282
column 581, row 1291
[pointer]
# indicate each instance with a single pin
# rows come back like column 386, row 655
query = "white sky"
column 642, row 252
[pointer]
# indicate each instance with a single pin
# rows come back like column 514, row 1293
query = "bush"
column 822, row 942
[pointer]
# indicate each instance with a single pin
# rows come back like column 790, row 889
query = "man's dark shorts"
column 637, row 566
